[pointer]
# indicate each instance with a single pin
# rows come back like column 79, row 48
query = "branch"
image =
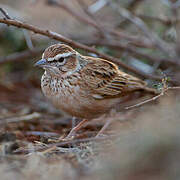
column 71, row 142
column 136, row 53
column 26, row 35
column 28, row 117
column 128, row 48
column 154, row 98
column 98, row 5
column 4, row 13
column 106, row 32
column 80, row 17
column 83, row 6
column 156, row 40
column 28, row 39
column 137, row 40
column 72, row 43
column 21, row 55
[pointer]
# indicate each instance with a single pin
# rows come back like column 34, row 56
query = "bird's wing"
column 106, row 81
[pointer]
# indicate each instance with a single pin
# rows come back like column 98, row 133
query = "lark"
column 82, row 86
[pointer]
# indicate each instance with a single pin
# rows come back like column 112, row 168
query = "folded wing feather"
column 107, row 81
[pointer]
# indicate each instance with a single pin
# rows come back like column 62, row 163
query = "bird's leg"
column 108, row 122
column 75, row 129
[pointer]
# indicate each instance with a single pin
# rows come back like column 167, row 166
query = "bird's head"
column 59, row 59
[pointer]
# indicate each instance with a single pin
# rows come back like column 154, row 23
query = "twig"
column 103, row 32
column 158, row 42
column 28, row 117
column 74, row 13
column 72, row 43
column 61, row 38
column 107, row 32
column 99, row 4
column 152, row 99
column 21, row 55
column 141, row 41
column 26, row 35
column 28, row 39
column 136, row 53
column 5, row 13
column 137, row 40
column 72, row 142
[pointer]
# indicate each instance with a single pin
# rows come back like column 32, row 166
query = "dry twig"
column 28, row 39
column 117, row 45
column 19, row 56
column 4, row 13
column 71, row 142
column 89, row 19
column 156, row 40
column 61, row 38
column 165, row 89
column 139, row 41
column 28, row 117
column 80, row 17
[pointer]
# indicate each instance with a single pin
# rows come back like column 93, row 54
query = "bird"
column 82, row 86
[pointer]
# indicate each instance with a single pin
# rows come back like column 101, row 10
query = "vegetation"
column 142, row 37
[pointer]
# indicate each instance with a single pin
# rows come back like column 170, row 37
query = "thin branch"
column 94, row 19
column 128, row 48
column 28, row 39
column 71, row 142
column 137, row 40
column 4, row 13
column 19, row 56
column 99, row 4
column 26, row 35
column 106, row 32
column 152, row 99
column 136, row 53
column 157, row 41
column 63, row 6
column 28, row 117
column 72, row 43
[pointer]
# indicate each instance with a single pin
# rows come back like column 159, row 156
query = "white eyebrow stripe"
column 63, row 55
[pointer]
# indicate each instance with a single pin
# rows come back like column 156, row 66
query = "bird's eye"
column 61, row 59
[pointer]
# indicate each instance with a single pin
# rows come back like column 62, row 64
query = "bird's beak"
column 40, row 63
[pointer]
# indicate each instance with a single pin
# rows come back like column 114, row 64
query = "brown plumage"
column 83, row 86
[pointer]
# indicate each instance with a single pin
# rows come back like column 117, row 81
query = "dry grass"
column 142, row 143
column 147, row 147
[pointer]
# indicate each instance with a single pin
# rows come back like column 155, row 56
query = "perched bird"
column 82, row 86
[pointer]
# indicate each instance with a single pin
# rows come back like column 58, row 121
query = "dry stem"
column 61, row 38
column 154, row 98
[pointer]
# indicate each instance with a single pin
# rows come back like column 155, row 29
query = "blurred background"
column 144, row 35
